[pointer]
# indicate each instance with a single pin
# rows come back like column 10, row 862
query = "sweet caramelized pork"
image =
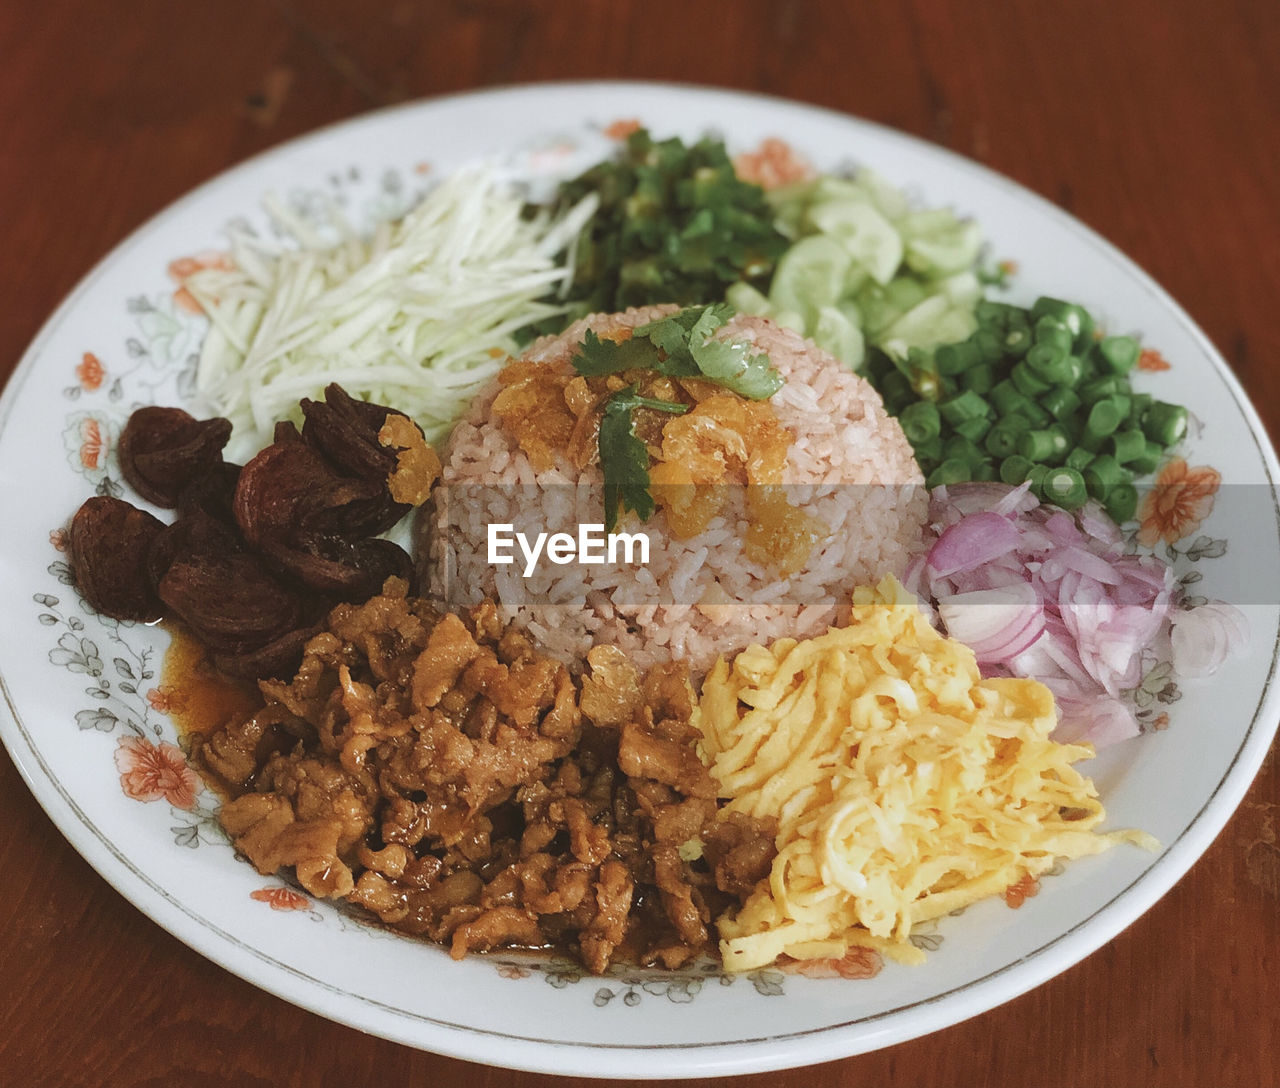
column 442, row 774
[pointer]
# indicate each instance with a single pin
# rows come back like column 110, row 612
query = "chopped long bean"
column 1034, row 394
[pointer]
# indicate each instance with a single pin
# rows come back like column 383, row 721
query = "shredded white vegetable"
column 418, row 316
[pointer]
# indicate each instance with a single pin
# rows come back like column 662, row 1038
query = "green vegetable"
column 1103, row 473
column 1120, row 353
column 1029, row 383
column 967, row 405
column 1122, row 502
column 1129, row 445
column 1097, row 389
column 1053, row 334
column 939, row 243
column 1047, row 446
column 952, row 359
column 1079, row 459
column 920, row 422
column 959, row 448
column 1032, row 395
column 1165, row 423
column 1075, row 318
column 1049, row 363
column 746, row 299
column 1002, row 439
column 981, row 378
column 1138, row 405
column 864, row 270
column 810, row 275
column 837, row 330
column 1060, row 402
column 951, row 471
column 680, row 346
column 928, row 452
column 1007, row 397
column 674, row 224
column 1104, row 417
column 1015, row 469
column 862, row 232
column 1064, row 487
column 975, row 429
column 624, row 459
column 1148, row 460
column 895, row 387
column 595, row 357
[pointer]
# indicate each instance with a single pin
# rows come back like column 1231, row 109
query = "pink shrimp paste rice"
column 849, row 465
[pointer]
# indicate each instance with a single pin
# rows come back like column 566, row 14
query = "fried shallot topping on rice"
column 714, row 439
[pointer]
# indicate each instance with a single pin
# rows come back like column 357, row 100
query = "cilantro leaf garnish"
column 596, row 358
column 681, row 346
column 624, row 459
column 677, row 346
column 731, row 363
column 672, row 334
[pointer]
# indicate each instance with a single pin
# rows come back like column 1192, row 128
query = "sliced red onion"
column 1100, row 721
column 913, row 576
column 1073, row 557
column 1061, row 527
column 1062, row 657
column 972, row 542
column 1038, row 592
column 1203, row 638
column 948, row 504
column 1017, row 500
column 996, row 624
column 1098, row 526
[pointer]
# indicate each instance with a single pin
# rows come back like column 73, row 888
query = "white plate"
column 72, row 683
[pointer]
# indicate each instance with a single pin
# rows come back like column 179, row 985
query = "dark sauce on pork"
column 441, row 775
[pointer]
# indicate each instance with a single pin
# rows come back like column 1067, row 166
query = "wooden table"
column 1156, row 122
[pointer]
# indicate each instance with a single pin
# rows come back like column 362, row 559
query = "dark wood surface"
column 1156, row 122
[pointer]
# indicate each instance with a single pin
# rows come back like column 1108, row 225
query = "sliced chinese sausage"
column 289, row 487
column 231, row 601
column 109, row 542
column 280, row 657
column 348, row 570
column 257, row 553
column 346, row 431
column 162, row 449
column 194, row 532
column 212, row 492
column 369, row 512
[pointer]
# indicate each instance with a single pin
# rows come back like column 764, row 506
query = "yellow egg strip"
column 904, row 785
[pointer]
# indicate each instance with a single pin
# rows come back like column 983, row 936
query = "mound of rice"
column 696, row 599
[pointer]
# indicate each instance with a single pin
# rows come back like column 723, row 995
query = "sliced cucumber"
column 865, row 269
column 810, row 275
column 834, row 332
column 945, row 250
column 935, row 320
column 746, row 299
column 887, row 197
column 872, row 241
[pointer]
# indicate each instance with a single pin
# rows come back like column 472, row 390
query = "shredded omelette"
column 905, row 786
